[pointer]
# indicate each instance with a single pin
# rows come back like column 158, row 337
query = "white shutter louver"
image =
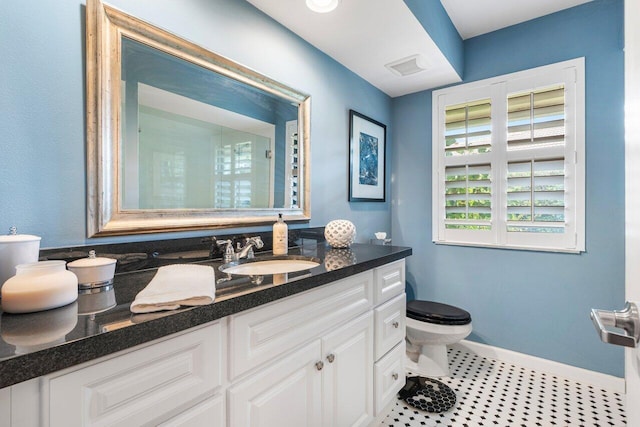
column 535, row 196
column 536, row 118
column 468, row 128
column 468, row 197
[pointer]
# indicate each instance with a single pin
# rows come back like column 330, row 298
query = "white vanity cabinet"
column 333, row 356
column 305, row 360
column 390, row 329
column 173, row 381
column 329, row 356
column 326, row 382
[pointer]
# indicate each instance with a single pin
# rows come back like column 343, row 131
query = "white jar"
column 39, row 286
column 340, row 233
column 93, row 272
column 16, row 249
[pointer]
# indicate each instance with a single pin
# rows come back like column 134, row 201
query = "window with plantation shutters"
column 508, row 160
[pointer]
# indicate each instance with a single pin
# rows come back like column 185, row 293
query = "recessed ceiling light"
column 322, row 6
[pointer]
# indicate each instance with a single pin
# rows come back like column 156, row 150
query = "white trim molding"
column 584, row 376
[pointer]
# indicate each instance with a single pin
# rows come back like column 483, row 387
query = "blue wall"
column 530, row 302
column 42, row 99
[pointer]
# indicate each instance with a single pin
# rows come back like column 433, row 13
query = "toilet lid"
column 435, row 312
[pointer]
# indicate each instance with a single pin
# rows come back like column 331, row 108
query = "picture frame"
column 367, row 159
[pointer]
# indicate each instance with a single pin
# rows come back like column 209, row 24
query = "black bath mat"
column 427, row 394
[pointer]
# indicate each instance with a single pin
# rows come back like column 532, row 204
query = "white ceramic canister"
column 16, row 249
column 39, row 286
column 93, row 271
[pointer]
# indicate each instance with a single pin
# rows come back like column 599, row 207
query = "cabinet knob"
column 394, row 376
column 319, row 365
column 331, row 358
column 396, row 324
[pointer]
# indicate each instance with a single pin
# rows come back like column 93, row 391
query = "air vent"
column 407, row 66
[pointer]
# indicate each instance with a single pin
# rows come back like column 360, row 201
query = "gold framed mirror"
column 180, row 138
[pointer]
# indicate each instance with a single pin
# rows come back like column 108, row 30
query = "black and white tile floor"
column 493, row 393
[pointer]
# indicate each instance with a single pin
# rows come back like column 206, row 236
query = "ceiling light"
column 407, row 66
column 322, row 6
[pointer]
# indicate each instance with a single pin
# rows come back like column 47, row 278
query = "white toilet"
column 430, row 327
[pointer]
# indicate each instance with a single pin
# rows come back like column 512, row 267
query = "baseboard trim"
column 585, row 376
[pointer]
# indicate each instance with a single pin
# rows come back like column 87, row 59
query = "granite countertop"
column 99, row 324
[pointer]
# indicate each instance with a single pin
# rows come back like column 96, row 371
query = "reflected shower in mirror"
column 196, row 140
column 180, row 138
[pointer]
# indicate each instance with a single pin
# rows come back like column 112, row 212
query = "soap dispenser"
column 280, row 237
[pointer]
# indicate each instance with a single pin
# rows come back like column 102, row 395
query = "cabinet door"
column 348, row 368
column 207, row 413
column 286, row 393
column 266, row 332
column 141, row 387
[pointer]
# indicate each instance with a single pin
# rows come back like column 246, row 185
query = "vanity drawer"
column 388, row 281
column 390, row 325
column 143, row 386
column 260, row 334
column 389, row 377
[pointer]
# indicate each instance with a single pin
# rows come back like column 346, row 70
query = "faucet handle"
column 256, row 240
column 229, row 253
column 229, row 243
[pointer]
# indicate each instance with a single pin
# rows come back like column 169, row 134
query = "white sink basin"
column 270, row 265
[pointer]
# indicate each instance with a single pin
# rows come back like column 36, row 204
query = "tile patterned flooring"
column 493, row 393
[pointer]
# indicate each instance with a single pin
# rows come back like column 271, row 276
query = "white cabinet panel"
column 267, row 331
column 388, row 281
column 207, row 413
column 5, row 406
column 25, row 404
column 389, row 376
column 141, row 386
column 347, row 379
column 390, row 324
column 286, row 393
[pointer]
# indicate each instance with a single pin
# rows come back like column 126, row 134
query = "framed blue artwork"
column 367, row 140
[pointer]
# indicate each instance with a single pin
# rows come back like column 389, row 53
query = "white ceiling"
column 364, row 35
column 475, row 17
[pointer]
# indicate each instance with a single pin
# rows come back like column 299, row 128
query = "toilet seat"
column 438, row 313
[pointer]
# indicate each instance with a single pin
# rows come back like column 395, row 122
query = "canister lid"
column 14, row 237
column 91, row 261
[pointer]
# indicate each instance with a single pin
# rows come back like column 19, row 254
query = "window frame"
column 571, row 74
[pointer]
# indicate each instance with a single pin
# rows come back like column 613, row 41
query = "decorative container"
column 39, row 286
column 340, row 233
column 16, row 249
column 93, row 272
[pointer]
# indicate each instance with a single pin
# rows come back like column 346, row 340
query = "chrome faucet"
column 242, row 252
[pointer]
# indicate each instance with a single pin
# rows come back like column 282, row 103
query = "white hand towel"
column 176, row 285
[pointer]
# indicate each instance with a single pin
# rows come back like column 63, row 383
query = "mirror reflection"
column 180, row 138
column 195, row 139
